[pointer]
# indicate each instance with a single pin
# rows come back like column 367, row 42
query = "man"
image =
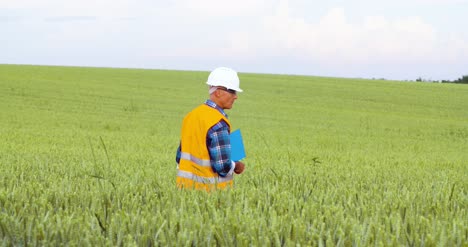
column 204, row 154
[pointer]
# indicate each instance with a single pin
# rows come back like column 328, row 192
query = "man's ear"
column 216, row 93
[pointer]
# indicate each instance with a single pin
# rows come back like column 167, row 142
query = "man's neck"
column 216, row 101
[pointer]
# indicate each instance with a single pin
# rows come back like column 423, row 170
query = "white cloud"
column 220, row 8
column 109, row 8
column 101, row 8
column 332, row 40
column 250, row 31
column 375, row 38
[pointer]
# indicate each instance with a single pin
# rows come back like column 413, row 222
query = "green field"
column 87, row 158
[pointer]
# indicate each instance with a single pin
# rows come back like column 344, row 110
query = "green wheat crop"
column 87, row 158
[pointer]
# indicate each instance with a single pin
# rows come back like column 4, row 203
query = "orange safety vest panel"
column 195, row 170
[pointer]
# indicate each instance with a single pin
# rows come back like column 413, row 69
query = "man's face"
column 226, row 97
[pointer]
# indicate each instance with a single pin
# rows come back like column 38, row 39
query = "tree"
column 463, row 80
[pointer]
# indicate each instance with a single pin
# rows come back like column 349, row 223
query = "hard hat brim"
column 235, row 89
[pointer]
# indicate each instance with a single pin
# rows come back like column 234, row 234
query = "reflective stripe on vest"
column 198, row 179
column 200, row 162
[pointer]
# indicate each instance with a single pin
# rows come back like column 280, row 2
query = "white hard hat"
column 224, row 77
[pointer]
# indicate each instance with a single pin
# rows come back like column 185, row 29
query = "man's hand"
column 239, row 167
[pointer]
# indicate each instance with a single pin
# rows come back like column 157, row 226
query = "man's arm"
column 178, row 155
column 219, row 148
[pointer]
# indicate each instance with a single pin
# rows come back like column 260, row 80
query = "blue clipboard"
column 237, row 146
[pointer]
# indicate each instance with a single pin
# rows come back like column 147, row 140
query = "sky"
column 397, row 39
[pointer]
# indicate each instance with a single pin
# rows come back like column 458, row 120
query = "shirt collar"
column 212, row 104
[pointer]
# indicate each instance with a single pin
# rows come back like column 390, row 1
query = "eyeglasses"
column 231, row 91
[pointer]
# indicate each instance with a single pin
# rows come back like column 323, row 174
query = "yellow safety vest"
column 195, row 169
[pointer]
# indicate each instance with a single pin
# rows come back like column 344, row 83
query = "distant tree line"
column 462, row 80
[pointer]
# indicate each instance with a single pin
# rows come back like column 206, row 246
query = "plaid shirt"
column 219, row 145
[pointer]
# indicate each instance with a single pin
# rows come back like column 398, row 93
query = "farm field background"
column 87, row 157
